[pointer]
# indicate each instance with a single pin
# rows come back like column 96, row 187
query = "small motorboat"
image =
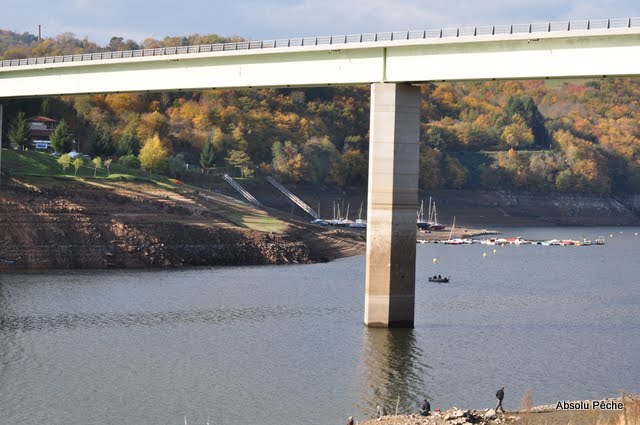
column 439, row 279
column 7, row 261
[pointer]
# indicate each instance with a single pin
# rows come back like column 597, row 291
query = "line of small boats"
column 520, row 241
column 339, row 221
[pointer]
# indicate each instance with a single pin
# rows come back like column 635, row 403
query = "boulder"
column 489, row 415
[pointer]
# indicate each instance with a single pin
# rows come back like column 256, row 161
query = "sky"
column 268, row 19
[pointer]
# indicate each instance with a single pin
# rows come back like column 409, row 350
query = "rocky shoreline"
column 538, row 415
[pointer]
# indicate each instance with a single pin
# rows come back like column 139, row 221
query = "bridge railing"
column 597, row 24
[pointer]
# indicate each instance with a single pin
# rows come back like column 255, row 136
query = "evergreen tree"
column 526, row 107
column 19, row 134
column 102, row 143
column 62, row 138
column 128, row 143
column 207, row 156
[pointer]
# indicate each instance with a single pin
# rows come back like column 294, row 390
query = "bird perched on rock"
column 500, row 397
column 350, row 420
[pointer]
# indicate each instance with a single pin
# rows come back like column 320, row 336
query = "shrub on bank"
column 130, row 161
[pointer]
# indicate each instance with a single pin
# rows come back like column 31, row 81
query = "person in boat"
column 435, row 277
column 425, row 408
column 439, row 277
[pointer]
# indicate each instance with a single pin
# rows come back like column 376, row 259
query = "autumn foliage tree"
column 154, row 155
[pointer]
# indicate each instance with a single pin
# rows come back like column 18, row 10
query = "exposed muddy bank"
column 69, row 225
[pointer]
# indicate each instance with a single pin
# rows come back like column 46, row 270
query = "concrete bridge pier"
column 391, row 208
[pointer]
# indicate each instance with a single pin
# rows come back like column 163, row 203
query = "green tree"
column 64, row 161
column 177, row 165
column 97, row 163
column 129, row 142
column 278, row 162
column 239, row 159
column 526, row 107
column 564, row 181
column 77, row 163
column 207, row 156
column 430, row 174
column 457, row 174
column 320, row 153
column 19, row 134
column 154, row 155
column 130, row 161
column 102, row 143
column 355, row 167
column 62, row 138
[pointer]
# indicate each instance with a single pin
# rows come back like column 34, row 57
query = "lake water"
column 270, row 345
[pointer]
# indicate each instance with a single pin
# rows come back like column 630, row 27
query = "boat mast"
column 452, row 227
column 435, row 214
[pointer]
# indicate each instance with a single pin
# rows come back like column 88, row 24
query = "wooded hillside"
column 579, row 137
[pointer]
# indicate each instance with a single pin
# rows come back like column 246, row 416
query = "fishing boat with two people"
column 439, row 279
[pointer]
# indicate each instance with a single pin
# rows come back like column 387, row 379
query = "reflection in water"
column 393, row 368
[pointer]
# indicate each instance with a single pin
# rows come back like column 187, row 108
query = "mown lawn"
column 37, row 164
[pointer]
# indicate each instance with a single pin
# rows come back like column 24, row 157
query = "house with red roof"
column 41, row 129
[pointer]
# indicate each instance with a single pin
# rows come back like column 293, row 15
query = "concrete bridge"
column 391, row 63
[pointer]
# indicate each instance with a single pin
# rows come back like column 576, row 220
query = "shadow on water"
column 394, row 369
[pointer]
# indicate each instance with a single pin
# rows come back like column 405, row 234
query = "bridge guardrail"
column 582, row 25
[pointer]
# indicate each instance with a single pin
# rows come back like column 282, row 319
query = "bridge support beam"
column 391, row 208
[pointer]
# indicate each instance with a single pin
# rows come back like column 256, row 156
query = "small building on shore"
column 41, row 128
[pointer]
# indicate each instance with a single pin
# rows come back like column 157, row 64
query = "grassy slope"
column 38, row 165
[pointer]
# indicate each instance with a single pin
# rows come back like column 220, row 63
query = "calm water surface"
column 263, row 345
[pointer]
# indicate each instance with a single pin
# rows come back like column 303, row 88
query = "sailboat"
column 421, row 222
column 359, row 223
column 433, row 219
column 345, row 221
column 453, row 240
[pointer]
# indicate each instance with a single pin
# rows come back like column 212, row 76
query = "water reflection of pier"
column 393, row 367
